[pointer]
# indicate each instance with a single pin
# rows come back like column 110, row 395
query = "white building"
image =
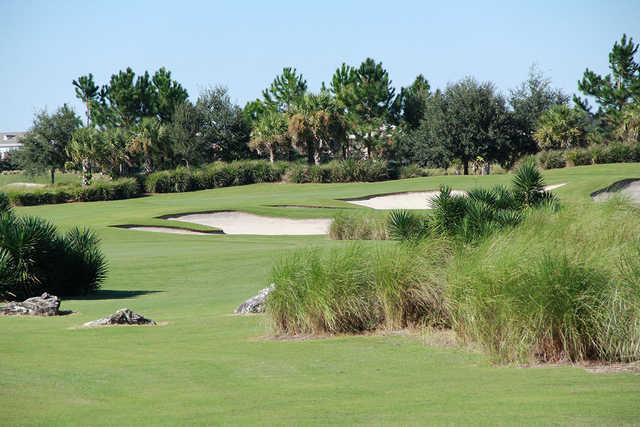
column 9, row 141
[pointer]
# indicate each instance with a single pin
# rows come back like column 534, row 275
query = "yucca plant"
column 448, row 211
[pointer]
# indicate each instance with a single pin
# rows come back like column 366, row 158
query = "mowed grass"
column 206, row 366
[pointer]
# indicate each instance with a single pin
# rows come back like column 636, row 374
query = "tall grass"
column 560, row 286
column 355, row 289
column 357, row 225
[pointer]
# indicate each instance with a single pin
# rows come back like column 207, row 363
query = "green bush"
column 535, row 293
column 355, row 289
column 123, row 188
column 357, row 225
column 340, row 171
column 613, row 153
column 579, row 157
column 552, row 159
column 215, row 175
column 412, row 171
column 35, row 258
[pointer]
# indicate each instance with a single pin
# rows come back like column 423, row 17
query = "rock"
column 44, row 305
column 255, row 304
column 124, row 316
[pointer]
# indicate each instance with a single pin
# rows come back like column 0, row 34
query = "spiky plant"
column 528, row 185
column 448, row 211
column 406, row 226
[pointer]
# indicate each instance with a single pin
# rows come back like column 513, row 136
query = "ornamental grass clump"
column 357, row 225
column 562, row 286
column 355, row 289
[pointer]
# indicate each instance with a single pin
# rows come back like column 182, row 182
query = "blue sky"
column 44, row 45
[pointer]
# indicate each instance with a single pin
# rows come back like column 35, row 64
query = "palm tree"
column 269, row 132
column 86, row 148
column 561, row 127
column 148, row 140
column 315, row 124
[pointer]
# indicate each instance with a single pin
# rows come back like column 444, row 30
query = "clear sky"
column 44, row 45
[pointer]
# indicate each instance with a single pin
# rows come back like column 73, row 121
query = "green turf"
column 208, row 367
column 61, row 178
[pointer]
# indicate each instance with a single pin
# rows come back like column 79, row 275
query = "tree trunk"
column 316, row 157
column 465, row 165
column 486, row 168
column 272, row 155
column 86, row 173
column 53, row 175
column 147, row 165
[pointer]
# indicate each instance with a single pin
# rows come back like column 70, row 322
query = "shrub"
column 215, row 175
column 357, row 225
column 407, row 226
column 340, row 171
column 613, row 153
column 579, row 157
column 354, row 289
column 412, row 171
column 124, row 188
column 552, row 159
column 484, row 211
column 35, row 258
column 534, row 292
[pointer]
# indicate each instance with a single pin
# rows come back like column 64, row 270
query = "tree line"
column 143, row 123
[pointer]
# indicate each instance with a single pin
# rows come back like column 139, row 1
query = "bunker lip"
column 412, row 200
column 167, row 229
column 237, row 222
column 619, row 187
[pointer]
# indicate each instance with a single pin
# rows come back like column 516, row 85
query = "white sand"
column 413, row 200
column 168, row 230
column 246, row 223
column 630, row 191
column 554, row 186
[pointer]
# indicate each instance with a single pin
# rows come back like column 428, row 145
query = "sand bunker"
column 628, row 188
column 246, row 223
column 414, row 200
column 411, row 200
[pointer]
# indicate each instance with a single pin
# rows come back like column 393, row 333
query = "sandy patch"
column 169, row 230
column 626, row 188
column 246, row 223
column 412, row 200
column 554, row 186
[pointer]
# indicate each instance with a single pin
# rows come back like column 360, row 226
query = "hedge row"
column 215, row 175
column 342, row 171
column 595, row 154
column 221, row 174
column 124, row 188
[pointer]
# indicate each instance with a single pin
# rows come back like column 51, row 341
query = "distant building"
column 10, row 141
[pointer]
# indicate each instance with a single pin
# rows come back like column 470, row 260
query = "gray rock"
column 44, row 305
column 124, row 316
column 255, row 304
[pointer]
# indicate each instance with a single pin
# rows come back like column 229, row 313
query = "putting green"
column 207, row 366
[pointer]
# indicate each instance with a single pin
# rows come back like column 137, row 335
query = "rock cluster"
column 44, row 305
column 255, row 304
column 124, row 316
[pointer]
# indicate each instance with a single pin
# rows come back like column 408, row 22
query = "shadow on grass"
column 112, row 294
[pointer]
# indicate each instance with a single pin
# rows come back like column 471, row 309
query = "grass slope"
column 209, row 367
